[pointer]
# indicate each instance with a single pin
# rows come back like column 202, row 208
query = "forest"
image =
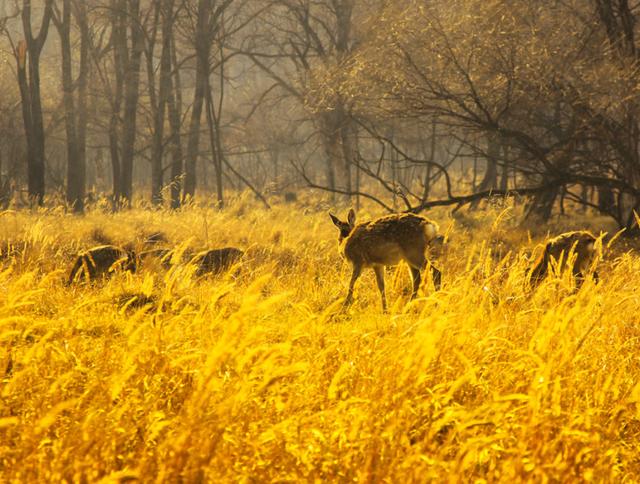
column 409, row 104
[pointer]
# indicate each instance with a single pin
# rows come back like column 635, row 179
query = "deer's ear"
column 335, row 220
column 351, row 218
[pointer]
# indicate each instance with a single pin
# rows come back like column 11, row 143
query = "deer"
column 581, row 244
column 215, row 261
column 102, row 261
column 385, row 242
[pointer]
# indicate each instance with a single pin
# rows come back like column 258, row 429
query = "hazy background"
column 409, row 104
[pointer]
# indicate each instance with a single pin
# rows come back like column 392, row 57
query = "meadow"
column 256, row 376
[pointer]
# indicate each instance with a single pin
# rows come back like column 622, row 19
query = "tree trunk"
column 331, row 140
column 28, row 57
column 83, row 82
column 584, row 195
column 159, row 103
column 474, row 181
column 25, row 95
column 343, row 10
column 215, row 129
column 193, row 145
column 37, row 166
column 203, row 49
column 131, row 95
column 541, row 206
column 347, row 137
column 75, row 165
column 118, row 33
column 4, row 185
column 216, row 146
column 432, row 155
column 606, row 200
column 504, row 176
column 490, row 179
column 174, row 107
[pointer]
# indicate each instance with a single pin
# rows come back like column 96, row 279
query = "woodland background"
column 411, row 104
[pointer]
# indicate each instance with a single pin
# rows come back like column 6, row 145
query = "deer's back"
column 98, row 261
column 582, row 243
column 387, row 240
column 104, row 256
column 216, row 260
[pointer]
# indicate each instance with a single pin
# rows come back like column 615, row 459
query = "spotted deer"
column 215, row 261
column 385, row 242
column 102, row 261
column 578, row 247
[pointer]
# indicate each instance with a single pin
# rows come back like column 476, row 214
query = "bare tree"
column 27, row 53
column 174, row 104
column 163, row 14
column 479, row 68
column 75, row 112
column 132, row 57
column 208, row 20
column 300, row 38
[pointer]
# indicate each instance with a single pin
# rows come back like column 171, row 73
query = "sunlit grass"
column 254, row 374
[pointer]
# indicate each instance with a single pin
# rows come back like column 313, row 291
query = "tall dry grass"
column 253, row 376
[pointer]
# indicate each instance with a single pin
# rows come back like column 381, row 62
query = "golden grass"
column 253, row 376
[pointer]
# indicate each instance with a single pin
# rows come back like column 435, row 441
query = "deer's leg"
column 537, row 274
column 587, row 266
column 581, row 276
column 73, row 275
column 89, row 268
column 415, row 276
column 379, row 270
column 357, row 270
column 436, row 275
column 417, row 262
column 437, row 278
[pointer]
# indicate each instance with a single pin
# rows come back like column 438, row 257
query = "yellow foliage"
column 255, row 375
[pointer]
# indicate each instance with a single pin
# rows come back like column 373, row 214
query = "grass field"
column 255, row 376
